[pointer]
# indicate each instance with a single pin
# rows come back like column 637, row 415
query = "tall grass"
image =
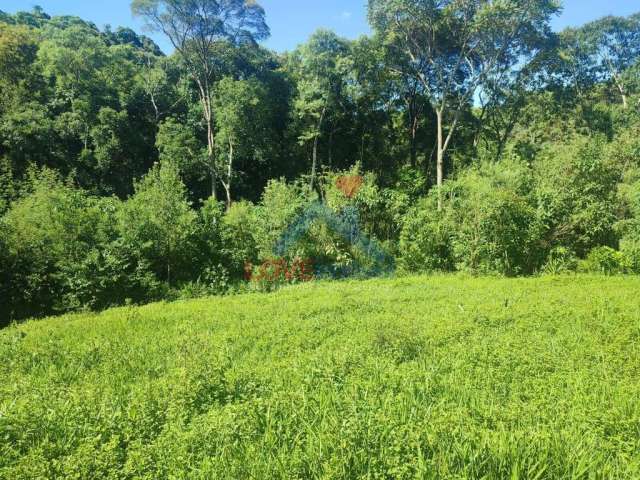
column 427, row 377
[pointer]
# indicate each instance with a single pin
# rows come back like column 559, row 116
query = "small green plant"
column 561, row 260
column 215, row 280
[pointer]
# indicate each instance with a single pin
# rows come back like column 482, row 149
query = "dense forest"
column 462, row 135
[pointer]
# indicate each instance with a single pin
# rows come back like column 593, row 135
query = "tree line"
column 483, row 141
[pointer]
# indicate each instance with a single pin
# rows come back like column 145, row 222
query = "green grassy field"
column 427, row 377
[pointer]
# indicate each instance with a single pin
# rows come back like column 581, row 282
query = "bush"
column 50, row 228
column 426, row 240
column 485, row 225
column 111, row 274
column 5, row 280
column 159, row 223
column 494, row 217
column 62, row 252
column 559, row 261
column 281, row 204
column 605, row 260
column 630, row 248
column 576, row 189
column 381, row 211
column 213, row 281
column 238, row 236
column 493, row 232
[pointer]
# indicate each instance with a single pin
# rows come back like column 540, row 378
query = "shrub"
column 213, row 281
column 380, row 210
column 51, row 228
column 5, row 280
column 560, row 260
column 425, row 240
column 630, row 248
column 111, row 274
column 485, row 225
column 575, row 189
column 159, row 223
column 605, row 260
column 238, row 236
column 493, row 231
column 62, row 252
column 281, row 204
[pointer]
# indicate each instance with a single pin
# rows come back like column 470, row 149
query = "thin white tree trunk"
column 314, row 165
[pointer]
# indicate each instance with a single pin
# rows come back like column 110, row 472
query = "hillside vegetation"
column 427, row 377
column 458, row 136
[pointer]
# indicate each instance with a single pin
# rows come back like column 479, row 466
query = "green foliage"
column 560, row 260
column 542, row 156
column 426, row 240
column 214, row 280
column 18, row 50
column 345, row 380
column 5, row 278
column 494, row 220
column 281, row 204
column 46, row 231
column 235, row 102
column 159, row 222
column 179, row 144
column 239, row 236
column 630, row 253
column 320, row 68
column 112, row 161
column 486, row 225
column 62, row 252
column 605, row 260
column 576, row 196
column 203, row 33
column 7, row 185
column 381, row 210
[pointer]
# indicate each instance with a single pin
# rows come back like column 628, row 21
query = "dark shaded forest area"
column 479, row 141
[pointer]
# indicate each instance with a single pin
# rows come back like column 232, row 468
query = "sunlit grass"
column 426, row 377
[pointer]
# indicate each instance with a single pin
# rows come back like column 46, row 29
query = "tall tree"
column 613, row 46
column 196, row 28
column 236, row 102
column 320, row 68
column 453, row 46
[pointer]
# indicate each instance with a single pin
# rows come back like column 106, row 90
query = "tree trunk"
column 362, row 148
column 229, row 175
column 214, row 192
column 443, row 145
column 625, row 102
column 314, row 165
column 205, row 100
column 617, row 79
column 414, row 135
column 440, row 160
column 211, row 158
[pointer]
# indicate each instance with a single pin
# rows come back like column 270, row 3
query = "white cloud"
column 344, row 16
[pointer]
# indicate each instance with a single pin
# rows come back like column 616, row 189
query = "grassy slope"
column 415, row 377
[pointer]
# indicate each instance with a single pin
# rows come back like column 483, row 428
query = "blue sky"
column 292, row 21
